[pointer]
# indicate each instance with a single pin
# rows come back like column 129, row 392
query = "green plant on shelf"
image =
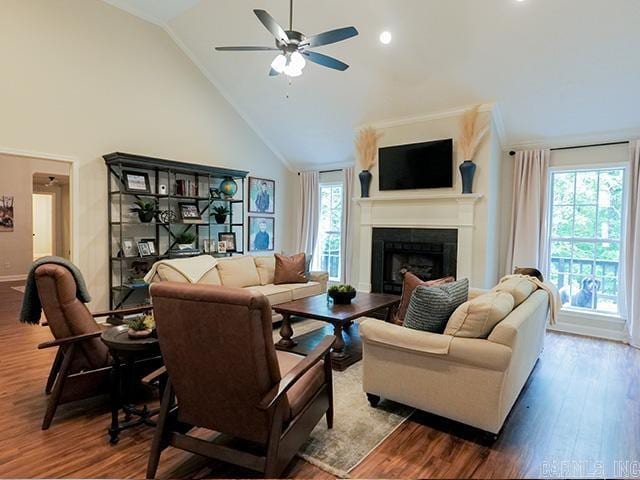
column 146, row 209
column 220, row 213
column 186, row 238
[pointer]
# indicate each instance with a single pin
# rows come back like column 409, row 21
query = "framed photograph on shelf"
column 189, row 212
column 136, row 182
column 147, row 247
column 208, row 246
column 261, row 234
column 222, row 246
column 129, row 248
column 229, row 239
column 262, row 195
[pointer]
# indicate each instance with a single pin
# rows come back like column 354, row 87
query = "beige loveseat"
column 250, row 272
column 473, row 381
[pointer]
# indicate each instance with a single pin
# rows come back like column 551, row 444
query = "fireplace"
column 428, row 253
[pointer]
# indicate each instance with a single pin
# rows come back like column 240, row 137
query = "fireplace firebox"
column 427, row 253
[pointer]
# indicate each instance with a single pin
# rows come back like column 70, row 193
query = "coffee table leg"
column 338, row 345
column 286, row 332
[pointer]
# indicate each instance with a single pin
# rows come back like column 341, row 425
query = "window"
column 329, row 249
column 585, row 237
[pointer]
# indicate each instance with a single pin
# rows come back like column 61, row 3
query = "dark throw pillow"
column 290, row 269
column 409, row 284
column 430, row 307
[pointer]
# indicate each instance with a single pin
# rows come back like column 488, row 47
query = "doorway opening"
column 51, row 216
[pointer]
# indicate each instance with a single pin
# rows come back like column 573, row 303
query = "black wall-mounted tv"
column 419, row 165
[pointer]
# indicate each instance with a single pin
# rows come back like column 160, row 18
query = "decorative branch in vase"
column 469, row 139
column 366, row 150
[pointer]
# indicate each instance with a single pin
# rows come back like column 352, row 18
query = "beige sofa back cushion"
column 519, row 288
column 477, row 318
column 266, row 269
column 238, row 272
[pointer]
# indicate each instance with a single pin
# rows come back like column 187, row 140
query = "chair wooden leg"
column 328, row 375
column 55, row 368
column 158, row 443
column 52, row 405
column 373, row 399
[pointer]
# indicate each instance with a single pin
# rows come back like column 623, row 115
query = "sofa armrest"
column 476, row 292
column 471, row 351
column 321, row 277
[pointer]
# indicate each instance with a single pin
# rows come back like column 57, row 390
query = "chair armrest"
column 69, row 340
column 154, row 376
column 321, row 351
column 123, row 311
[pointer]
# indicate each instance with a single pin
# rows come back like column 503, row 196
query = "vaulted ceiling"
column 557, row 69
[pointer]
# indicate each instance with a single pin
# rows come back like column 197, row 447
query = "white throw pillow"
column 476, row 318
column 238, row 272
column 266, row 269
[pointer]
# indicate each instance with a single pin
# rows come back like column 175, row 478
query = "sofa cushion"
column 303, row 290
column 476, row 318
column 266, row 269
column 168, row 274
column 430, row 307
column 238, row 272
column 290, row 269
column 409, row 284
column 519, row 287
column 275, row 293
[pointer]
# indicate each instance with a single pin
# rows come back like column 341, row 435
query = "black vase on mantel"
column 467, row 170
column 365, row 182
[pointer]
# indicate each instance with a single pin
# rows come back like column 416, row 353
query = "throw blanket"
column 31, row 307
column 554, row 297
column 192, row 268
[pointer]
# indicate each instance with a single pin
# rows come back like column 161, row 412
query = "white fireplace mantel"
column 447, row 210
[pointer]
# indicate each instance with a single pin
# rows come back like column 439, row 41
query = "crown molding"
column 578, row 140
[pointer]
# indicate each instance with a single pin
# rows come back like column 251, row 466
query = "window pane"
column 562, row 223
column 586, row 188
column 563, row 188
column 585, row 222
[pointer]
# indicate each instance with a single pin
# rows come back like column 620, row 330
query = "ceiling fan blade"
column 273, row 73
column 332, row 36
column 245, row 49
column 270, row 24
column 326, row 61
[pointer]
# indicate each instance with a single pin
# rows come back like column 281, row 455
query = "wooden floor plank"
column 581, row 404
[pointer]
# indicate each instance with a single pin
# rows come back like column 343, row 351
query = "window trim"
column 624, row 166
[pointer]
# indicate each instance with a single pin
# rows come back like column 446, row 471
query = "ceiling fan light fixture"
column 279, row 63
column 297, row 61
column 289, row 71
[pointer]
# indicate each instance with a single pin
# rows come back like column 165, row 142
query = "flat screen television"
column 419, row 165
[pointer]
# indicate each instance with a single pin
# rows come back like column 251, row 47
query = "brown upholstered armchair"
column 225, row 375
column 82, row 364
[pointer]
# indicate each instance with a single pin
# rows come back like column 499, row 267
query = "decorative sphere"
column 229, row 187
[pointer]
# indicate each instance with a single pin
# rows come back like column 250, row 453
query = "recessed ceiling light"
column 385, row 37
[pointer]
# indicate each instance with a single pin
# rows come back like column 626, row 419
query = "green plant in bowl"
column 186, row 238
column 341, row 294
column 146, row 209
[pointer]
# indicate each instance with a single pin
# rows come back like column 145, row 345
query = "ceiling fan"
column 294, row 46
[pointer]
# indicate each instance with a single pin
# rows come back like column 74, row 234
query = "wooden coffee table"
column 341, row 317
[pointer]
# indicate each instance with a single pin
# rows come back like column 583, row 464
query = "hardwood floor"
column 581, row 405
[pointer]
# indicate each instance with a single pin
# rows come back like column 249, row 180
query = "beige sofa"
column 255, row 273
column 473, row 381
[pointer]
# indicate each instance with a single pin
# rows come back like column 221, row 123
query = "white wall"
column 486, row 182
column 82, row 78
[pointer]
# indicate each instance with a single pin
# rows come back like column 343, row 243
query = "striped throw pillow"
column 430, row 307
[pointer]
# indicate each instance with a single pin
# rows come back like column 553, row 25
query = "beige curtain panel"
column 529, row 212
column 347, row 214
column 630, row 263
column 308, row 212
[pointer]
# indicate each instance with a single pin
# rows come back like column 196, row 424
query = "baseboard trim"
column 588, row 331
column 13, row 278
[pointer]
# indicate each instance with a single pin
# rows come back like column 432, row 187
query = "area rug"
column 19, row 289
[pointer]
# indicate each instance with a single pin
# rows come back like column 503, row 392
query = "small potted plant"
column 146, row 209
column 220, row 213
column 342, row 294
column 185, row 240
column 141, row 327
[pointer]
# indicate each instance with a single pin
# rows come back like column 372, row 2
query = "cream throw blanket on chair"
column 193, row 268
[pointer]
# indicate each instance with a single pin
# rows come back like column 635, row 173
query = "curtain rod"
column 512, row 152
column 329, row 171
